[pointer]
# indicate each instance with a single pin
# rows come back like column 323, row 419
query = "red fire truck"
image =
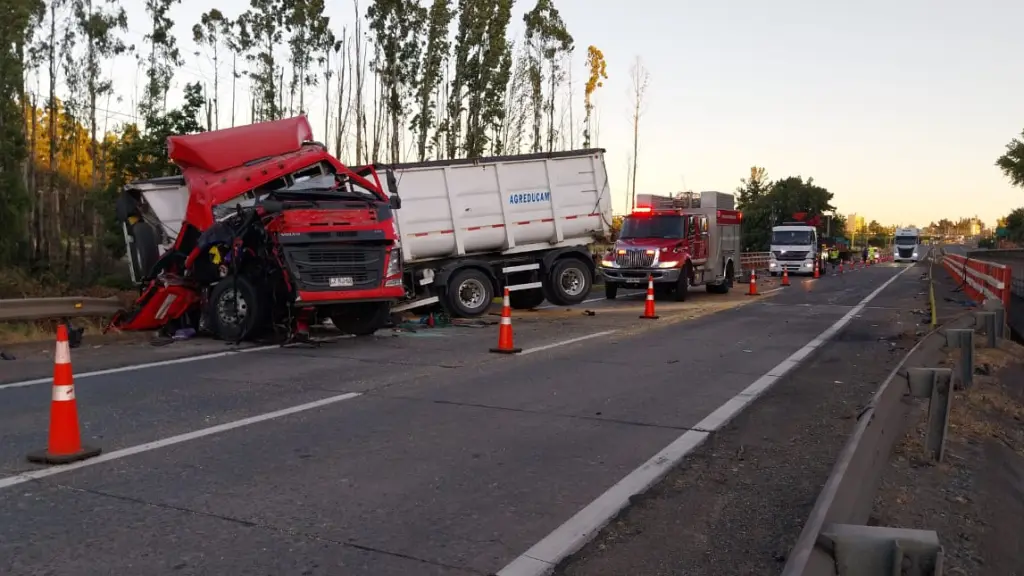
column 680, row 241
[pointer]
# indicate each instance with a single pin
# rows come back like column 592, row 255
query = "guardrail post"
column 963, row 339
column 936, row 385
column 874, row 550
column 1000, row 321
column 987, row 321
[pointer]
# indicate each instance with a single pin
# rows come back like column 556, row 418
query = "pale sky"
column 899, row 107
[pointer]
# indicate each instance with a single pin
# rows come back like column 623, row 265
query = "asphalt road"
column 415, row 453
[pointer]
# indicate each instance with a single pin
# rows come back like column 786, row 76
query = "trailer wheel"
column 526, row 299
column 611, row 290
column 147, row 252
column 569, row 282
column 469, row 293
column 683, row 286
column 236, row 309
column 362, row 318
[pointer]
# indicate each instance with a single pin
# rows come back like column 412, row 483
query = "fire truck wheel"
column 683, row 286
column 611, row 290
column 361, row 319
column 569, row 282
column 526, row 299
column 236, row 309
column 469, row 293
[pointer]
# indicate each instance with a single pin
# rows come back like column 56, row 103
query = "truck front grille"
column 634, row 259
column 797, row 256
column 906, row 252
column 314, row 266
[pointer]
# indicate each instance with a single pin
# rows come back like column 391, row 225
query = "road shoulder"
column 974, row 500
column 737, row 504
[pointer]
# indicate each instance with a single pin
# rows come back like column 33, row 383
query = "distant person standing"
column 864, row 254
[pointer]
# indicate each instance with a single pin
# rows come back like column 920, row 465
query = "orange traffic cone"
column 505, row 345
column 785, row 277
column 753, row 284
column 817, row 267
column 65, row 442
column 649, row 302
column 840, row 266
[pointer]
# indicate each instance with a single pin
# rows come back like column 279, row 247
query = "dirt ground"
column 975, row 498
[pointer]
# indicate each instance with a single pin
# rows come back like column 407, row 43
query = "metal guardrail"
column 835, row 540
column 14, row 310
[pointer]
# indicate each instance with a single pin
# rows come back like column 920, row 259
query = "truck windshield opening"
column 792, row 237
column 653, row 227
column 906, row 241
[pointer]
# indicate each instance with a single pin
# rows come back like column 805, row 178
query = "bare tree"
column 639, row 80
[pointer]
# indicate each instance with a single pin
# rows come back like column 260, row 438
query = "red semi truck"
column 260, row 215
column 678, row 241
column 264, row 228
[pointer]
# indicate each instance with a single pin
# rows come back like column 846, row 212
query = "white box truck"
column 470, row 228
column 795, row 248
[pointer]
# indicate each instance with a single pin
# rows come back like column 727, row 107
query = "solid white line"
column 566, row 342
column 156, row 444
column 568, row 538
column 171, row 362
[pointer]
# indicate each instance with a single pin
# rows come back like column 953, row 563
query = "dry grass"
column 990, row 408
column 44, row 330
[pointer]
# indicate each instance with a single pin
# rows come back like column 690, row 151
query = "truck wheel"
column 611, row 290
column 469, row 293
column 147, row 252
column 569, row 282
column 526, row 299
column 236, row 309
column 361, row 319
column 683, row 285
column 723, row 288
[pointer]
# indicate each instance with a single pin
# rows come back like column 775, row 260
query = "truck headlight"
column 393, row 274
column 607, row 262
column 668, row 264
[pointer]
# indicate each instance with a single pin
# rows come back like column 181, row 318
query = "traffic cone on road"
column 753, row 284
column 505, row 344
column 840, row 266
column 649, row 302
column 785, row 277
column 817, row 266
column 65, row 442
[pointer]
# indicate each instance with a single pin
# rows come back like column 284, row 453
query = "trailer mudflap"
column 159, row 305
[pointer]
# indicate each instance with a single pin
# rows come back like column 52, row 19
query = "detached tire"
column 237, row 309
column 469, row 293
column 526, row 299
column 569, row 282
column 361, row 319
column 147, row 250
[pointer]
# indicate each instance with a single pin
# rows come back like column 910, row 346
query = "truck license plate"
column 634, row 280
column 340, row 281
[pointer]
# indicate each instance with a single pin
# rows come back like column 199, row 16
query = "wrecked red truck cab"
column 262, row 232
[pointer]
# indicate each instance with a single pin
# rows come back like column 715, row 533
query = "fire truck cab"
column 678, row 241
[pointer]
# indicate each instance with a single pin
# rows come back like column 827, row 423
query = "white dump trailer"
column 470, row 228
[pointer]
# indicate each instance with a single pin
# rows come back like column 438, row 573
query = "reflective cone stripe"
column 649, row 300
column 505, row 339
column 64, row 444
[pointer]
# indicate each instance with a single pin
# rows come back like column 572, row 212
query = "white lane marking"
column 157, row 444
column 171, row 362
column 565, row 342
column 568, row 538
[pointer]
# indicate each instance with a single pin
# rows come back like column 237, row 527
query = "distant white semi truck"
column 907, row 245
